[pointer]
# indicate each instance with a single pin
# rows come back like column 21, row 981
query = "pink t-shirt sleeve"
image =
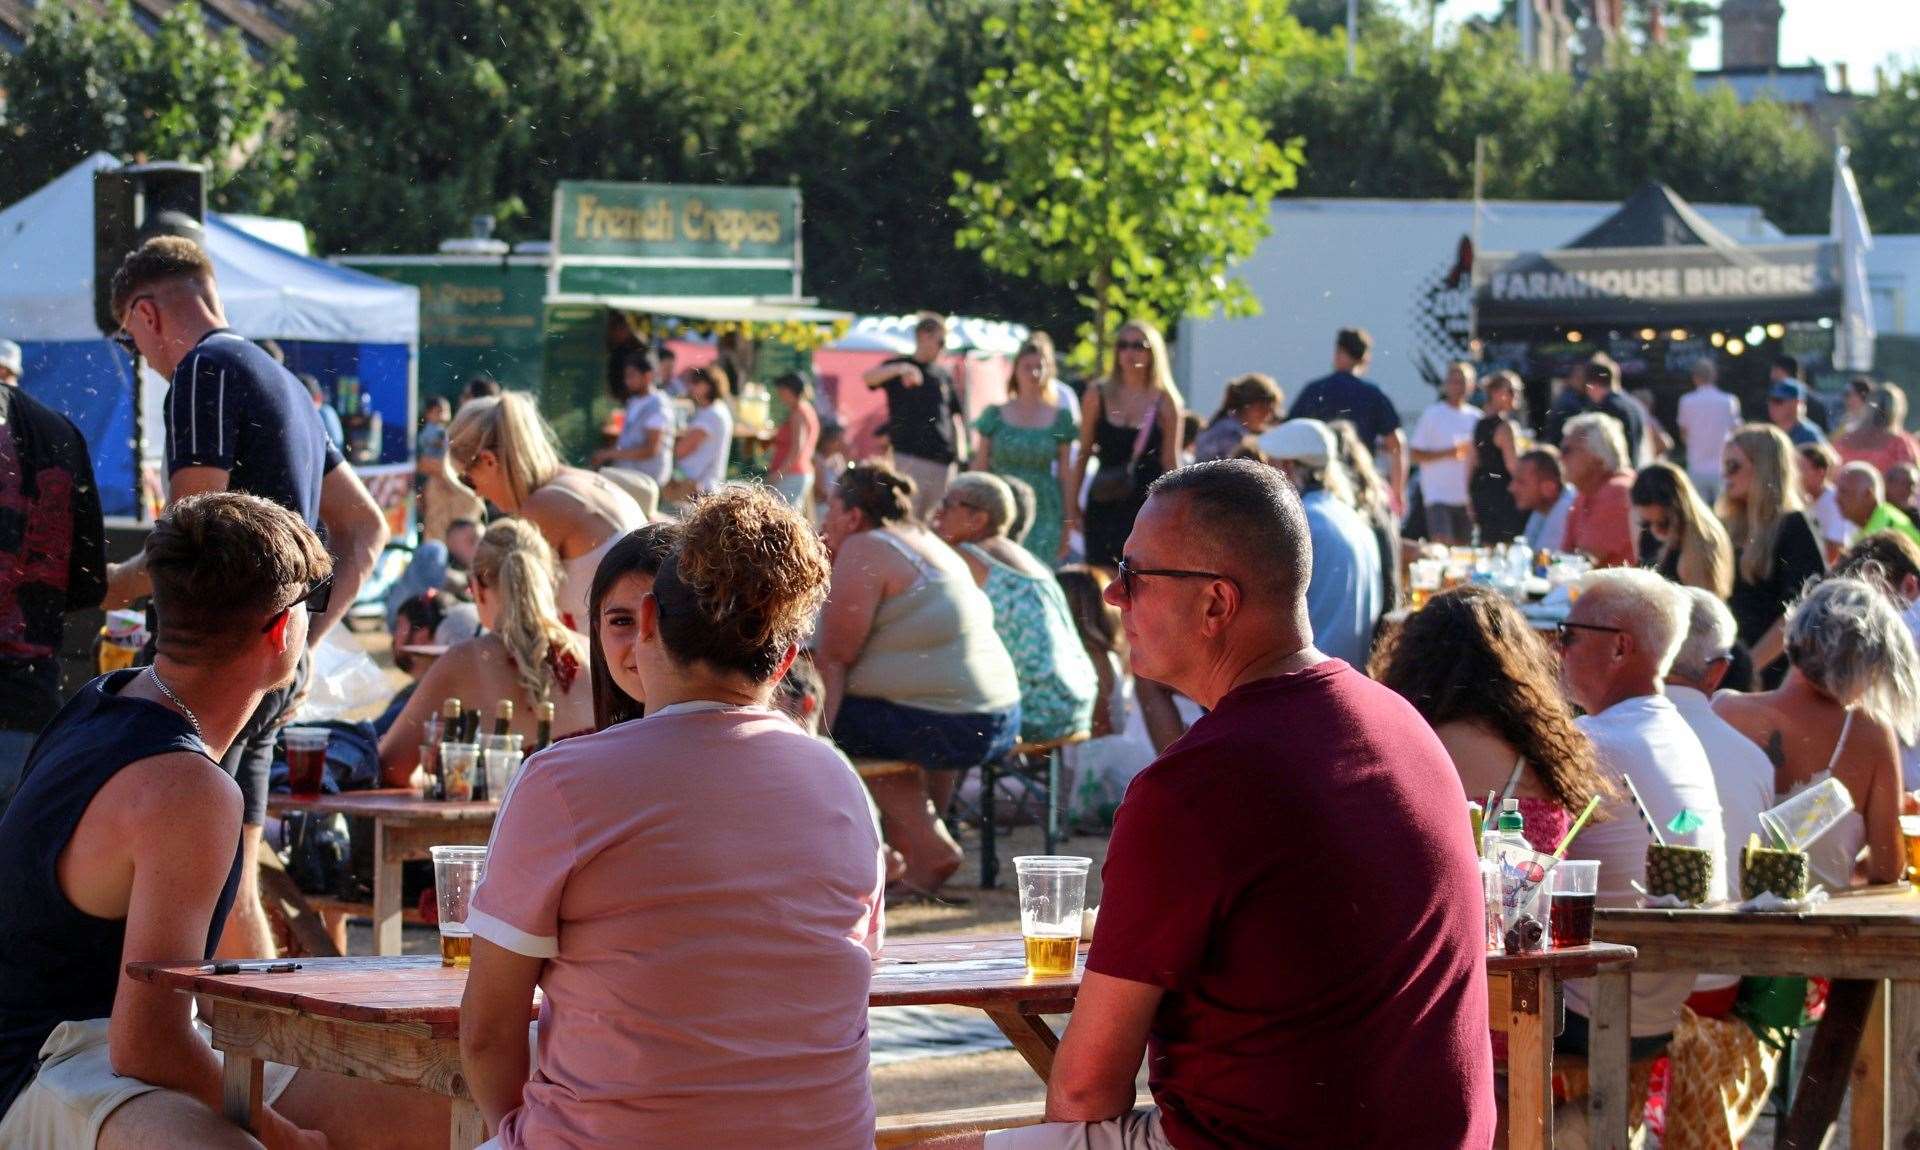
column 517, row 905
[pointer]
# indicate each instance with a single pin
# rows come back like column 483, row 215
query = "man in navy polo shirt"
column 236, row 420
column 1344, row 395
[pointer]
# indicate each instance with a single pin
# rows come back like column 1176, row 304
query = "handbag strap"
column 1146, row 429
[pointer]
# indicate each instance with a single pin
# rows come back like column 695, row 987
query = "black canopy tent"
column 1654, row 263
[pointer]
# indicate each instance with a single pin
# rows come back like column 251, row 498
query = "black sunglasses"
column 123, row 339
column 1563, row 632
column 1130, row 576
column 1132, row 345
column 316, row 598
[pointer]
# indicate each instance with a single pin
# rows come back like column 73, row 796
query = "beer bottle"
column 544, row 734
column 503, row 718
column 450, row 732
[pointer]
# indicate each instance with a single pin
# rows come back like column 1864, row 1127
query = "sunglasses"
column 1130, row 576
column 1563, row 632
column 1132, row 345
column 1732, row 467
column 123, row 339
column 316, row 598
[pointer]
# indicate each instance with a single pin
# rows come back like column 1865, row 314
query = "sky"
column 1862, row 33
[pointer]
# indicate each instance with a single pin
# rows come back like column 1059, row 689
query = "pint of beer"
column 456, row 872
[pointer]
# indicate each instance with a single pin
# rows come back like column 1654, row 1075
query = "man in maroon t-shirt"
column 1291, row 927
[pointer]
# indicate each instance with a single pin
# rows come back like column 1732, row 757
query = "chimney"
column 1750, row 35
column 1845, row 86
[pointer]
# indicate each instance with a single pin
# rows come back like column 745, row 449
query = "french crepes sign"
column 1590, row 287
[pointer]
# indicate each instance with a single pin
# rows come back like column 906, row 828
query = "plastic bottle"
column 1509, row 828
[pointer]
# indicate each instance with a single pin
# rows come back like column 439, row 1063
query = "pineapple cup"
column 1782, row 872
column 1684, row 872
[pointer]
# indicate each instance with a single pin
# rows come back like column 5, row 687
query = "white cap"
column 1299, row 441
column 10, row 356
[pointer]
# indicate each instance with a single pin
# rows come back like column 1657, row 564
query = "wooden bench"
column 907, row 1129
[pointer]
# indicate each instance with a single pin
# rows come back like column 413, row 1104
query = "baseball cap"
column 1787, row 389
column 10, row 357
column 1300, row 441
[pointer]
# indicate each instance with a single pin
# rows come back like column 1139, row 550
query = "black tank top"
column 57, row 963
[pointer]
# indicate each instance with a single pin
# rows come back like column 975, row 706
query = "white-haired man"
column 1595, row 460
column 1617, row 643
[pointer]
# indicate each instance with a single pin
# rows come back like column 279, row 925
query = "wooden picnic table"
column 397, row 1020
column 405, row 825
column 1868, row 941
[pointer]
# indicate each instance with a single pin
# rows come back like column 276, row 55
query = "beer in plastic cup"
column 1053, row 892
column 1576, row 882
column 456, row 872
column 1910, row 831
column 306, row 759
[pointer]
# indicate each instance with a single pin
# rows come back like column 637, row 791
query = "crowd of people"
column 765, row 702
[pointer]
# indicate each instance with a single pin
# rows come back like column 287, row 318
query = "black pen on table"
column 250, row 968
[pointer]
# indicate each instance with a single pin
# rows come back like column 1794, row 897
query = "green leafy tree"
column 1886, row 152
column 421, row 114
column 1123, row 160
column 91, row 81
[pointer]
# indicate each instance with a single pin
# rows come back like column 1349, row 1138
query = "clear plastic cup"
column 306, row 749
column 1576, row 883
column 456, row 872
column 1802, row 819
column 500, row 756
column 1524, row 888
column 458, row 761
column 1910, row 831
column 1053, row 893
column 1490, row 900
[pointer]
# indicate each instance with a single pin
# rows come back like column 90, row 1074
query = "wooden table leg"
column 1530, row 1060
column 1829, row 1065
column 1030, row 1035
column 241, row 1090
column 1608, row 1031
column 469, row 1129
column 386, row 893
column 1869, row 1131
column 1903, row 1066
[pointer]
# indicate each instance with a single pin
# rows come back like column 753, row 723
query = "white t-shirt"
column 649, row 412
column 1742, row 776
column 1834, row 527
column 1708, row 417
column 1646, row 739
column 1441, row 428
column 706, row 464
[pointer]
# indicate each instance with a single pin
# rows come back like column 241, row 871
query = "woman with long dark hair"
column 620, row 586
column 1475, row 670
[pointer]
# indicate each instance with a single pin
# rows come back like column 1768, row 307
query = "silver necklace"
column 192, row 719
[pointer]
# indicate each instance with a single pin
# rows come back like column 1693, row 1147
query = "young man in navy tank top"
column 123, row 844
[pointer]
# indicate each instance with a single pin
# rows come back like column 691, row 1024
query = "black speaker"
column 131, row 205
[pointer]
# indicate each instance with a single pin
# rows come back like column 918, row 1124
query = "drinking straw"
column 1641, row 806
column 1566, row 840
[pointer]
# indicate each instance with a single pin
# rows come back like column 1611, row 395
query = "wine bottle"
column 503, row 718
column 544, row 734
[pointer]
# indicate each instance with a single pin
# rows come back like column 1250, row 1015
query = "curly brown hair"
column 1470, row 655
column 744, row 583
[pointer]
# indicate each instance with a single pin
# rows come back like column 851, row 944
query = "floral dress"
column 1029, row 454
column 1057, row 679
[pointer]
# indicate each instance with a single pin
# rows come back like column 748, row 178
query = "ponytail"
column 514, row 563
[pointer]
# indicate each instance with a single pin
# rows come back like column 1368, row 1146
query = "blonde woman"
column 503, row 451
column 1030, row 437
column 1131, row 424
column 1694, row 551
column 1775, row 546
column 526, row 655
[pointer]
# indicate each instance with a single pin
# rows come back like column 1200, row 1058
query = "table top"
column 980, row 971
column 1893, row 907
column 399, row 804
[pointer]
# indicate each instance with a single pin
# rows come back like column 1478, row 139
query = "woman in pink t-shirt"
column 697, row 892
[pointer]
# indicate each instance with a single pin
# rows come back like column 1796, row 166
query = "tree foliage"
column 1886, row 152
column 1123, row 161
column 92, row 80
column 1406, row 127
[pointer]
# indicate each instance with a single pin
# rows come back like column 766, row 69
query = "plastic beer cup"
column 456, row 872
column 1053, row 893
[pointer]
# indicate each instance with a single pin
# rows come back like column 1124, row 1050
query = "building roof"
column 262, row 24
column 1803, row 85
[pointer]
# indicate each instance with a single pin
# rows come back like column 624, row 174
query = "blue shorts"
column 869, row 728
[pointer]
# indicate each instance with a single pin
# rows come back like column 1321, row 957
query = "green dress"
column 1029, row 453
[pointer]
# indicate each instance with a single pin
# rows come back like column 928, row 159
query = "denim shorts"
column 869, row 728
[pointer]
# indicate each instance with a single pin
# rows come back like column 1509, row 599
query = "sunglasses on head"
column 317, row 597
